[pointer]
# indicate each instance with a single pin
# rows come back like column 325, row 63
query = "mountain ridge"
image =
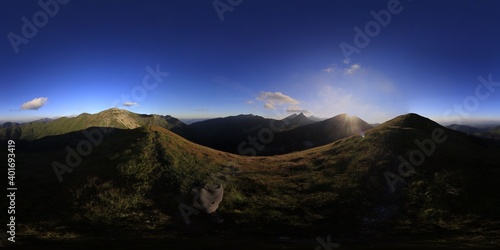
column 114, row 117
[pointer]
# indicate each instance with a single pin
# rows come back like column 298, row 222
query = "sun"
column 352, row 122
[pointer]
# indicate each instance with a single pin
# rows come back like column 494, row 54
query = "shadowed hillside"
column 225, row 133
column 228, row 133
column 131, row 185
column 464, row 128
column 255, row 135
column 317, row 134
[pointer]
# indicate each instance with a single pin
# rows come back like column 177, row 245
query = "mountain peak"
column 114, row 110
column 290, row 117
column 412, row 120
column 296, row 116
column 301, row 115
column 315, row 118
column 299, row 120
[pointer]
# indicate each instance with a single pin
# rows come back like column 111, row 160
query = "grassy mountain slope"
column 115, row 118
column 131, row 185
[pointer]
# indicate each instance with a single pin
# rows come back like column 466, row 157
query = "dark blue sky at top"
column 269, row 58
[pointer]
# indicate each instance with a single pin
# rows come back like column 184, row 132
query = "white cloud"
column 296, row 109
column 269, row 106
column 352, row 69
column 346, row 61
column 271, row 99
column 250, row 102
column 34, row 104
column 130, row 104
column 330, row 68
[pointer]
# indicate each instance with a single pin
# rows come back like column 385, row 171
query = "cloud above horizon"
column 277, row 98
column 130, row 104
column 296, row 109
column 34, row 104
column 269, row 106
column 352, row 69
column 330, row 68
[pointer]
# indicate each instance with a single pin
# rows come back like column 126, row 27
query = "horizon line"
column 469, row 122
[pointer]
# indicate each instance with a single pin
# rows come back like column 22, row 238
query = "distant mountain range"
column 464, row 128
column 255, row 135
column 407, row 177
column 242, row 134
column 489, row 132
column 227, row 134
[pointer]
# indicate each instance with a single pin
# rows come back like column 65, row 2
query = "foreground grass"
column 215, row 239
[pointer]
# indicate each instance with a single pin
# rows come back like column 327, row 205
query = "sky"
column 273, row 58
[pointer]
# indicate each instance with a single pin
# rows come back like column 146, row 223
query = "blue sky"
column 269, row 58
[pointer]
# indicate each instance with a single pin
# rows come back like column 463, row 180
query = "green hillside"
column 114, row 118
column 131, row 186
